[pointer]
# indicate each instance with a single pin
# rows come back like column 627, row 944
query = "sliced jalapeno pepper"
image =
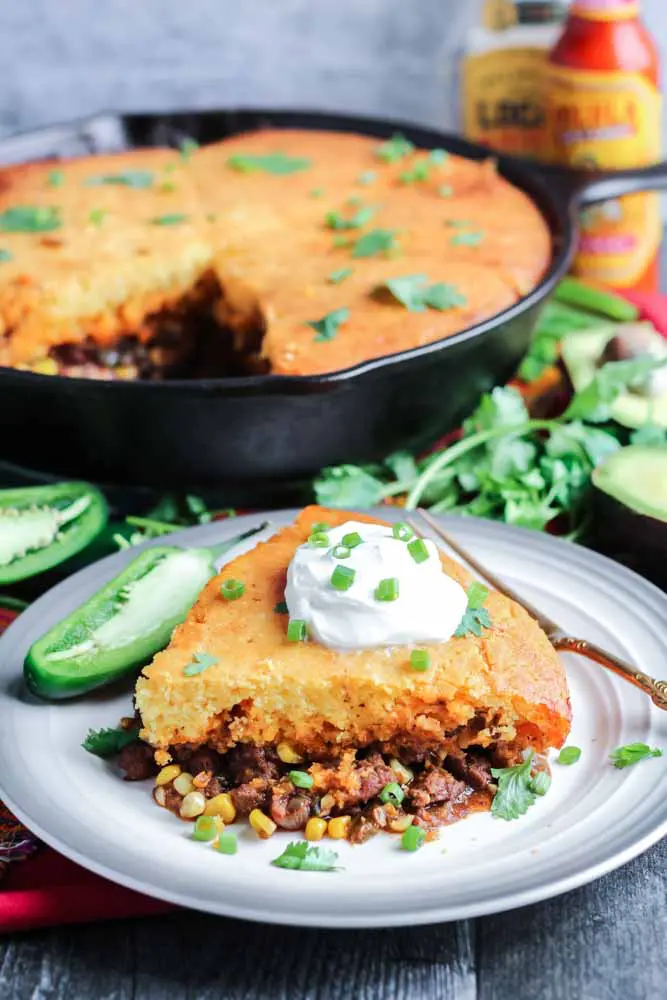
column 124, row 624
column 42, row 526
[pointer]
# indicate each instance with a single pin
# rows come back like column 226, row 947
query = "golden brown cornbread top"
column 461, row 224
column 265, row 689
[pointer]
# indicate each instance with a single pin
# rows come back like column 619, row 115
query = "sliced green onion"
column 301, row 779
column 392, row 794
column 297, row 630
column 420, row 659
column 417, row 549
column 569, row 755
column 205, row 828
column 413, row 838
column 231, row 590
column 319, row 526
column 387, row 590
column 226, row 843
column 540, row 783
column 402, row 531
column 341, row 552
column 319, row 540
column 342, row 577
column 352, row 539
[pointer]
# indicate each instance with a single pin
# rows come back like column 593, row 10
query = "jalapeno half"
column 42, row 526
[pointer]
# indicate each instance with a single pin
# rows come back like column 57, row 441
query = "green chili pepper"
column 124, row 624
column 42, row 526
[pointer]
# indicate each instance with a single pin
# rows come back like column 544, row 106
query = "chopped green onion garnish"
column 226, row 843
column 231, row 590
column 417, row 549
column 205, row 828
column 319, row 526
column 387, row 590
column 301, row 779
column 341, row 552
column 420, row 659
column 392, row 793
column 402, row 531
column 540, row 783
column 352, row 539
column 413, row 838
column 297, row 630
column 342, row 577
column 569, row 755
column 319, row 540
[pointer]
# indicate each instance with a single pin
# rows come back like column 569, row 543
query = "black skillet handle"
column 589, row 187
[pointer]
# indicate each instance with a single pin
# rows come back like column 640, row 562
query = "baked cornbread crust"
column 262, row 247
column 506, row 687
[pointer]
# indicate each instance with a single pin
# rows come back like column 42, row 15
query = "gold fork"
column 559, row 639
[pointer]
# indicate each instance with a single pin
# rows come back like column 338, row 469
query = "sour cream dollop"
column 429, row 607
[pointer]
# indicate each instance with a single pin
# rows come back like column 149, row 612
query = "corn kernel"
column 192, row 805
column 221, row 805
column 47, row 366
column 315, row 828
column 287, row 754
column 160, row 796
column 183, row 783
column 261, row 824
column 339, row 827
column 167, row 774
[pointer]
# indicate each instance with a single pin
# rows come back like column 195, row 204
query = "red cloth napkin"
column 47, row 889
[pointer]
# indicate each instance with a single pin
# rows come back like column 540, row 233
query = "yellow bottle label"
column 503, row 100
column 608, row 120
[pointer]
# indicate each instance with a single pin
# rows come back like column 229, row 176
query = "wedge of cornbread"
column 96, row 249
column 506, row 686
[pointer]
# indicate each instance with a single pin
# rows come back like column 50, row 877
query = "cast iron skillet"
column 255, row 435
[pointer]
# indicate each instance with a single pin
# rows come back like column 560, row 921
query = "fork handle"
column 656, row 690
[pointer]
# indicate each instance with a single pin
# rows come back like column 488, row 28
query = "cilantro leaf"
column 502, row 407
column 327, row 327
column 200, row 663
column 334, row 219
column 633, row 753
column 394, row 149
column 413, row 292
column 139, row 179
column 367, row 177
column 96, row 216
column 30, row 219
column 269, row 163
column 403, row 466
column 375, row 242
column 299, row 855
column 187, row 148
column 476, row 616
column 341, row 274
column 569, row 755
column 5, row 255
column 169, row 220
column 442, row 296
column 593, row 402
column 56, row 179
column 471, row 238
column 576, row 438
column 109, row 742
column 516, row 793
column 419, row 171
column 347, row 486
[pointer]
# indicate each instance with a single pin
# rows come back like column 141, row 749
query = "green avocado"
column 636, row 477
column 583, row 352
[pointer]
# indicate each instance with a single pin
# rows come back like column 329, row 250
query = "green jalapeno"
column 42, row 526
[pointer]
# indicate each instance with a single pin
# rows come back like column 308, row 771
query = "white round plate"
column 594, row 818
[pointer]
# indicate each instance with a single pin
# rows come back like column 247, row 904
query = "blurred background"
column 68, row 58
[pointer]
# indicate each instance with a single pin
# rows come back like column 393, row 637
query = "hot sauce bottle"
column 603, row 108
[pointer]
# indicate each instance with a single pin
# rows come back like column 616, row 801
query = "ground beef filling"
column 437, row 787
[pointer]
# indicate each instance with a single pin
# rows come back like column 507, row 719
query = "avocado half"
column 630, row 499
column 581, row 354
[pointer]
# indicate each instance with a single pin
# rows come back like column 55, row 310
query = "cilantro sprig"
column 299, row 855
column 415, row 293
column 336, row 220
column 518, row 789
column 476, row 616
column 109, row 742
column 633, row 753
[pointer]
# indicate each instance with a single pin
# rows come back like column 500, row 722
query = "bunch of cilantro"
column 506, row 465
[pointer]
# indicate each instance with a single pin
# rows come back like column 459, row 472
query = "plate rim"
column 509, row 900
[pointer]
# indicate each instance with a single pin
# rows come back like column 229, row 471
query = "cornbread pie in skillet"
column 249, row 714
column 289, row 251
